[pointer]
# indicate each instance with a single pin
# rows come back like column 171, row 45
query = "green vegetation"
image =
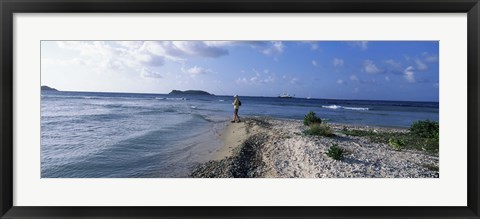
column 335, row 152
column 354, row 132
column 425, row 129
column 316, row 127
column 320, row 130
column 422, row 135
column 311, row 118
column 396, row 143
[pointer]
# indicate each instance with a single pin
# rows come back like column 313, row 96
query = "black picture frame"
column 9, row 7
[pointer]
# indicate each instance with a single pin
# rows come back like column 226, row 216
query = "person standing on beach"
column 236, row 105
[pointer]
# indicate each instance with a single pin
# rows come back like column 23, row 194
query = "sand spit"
column 274, row 148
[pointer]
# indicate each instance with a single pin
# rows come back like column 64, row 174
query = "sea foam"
column 343, row 107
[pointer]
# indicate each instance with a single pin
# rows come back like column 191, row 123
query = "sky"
column 367, row 70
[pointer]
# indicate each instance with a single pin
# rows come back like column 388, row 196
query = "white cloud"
column 340, row 81
column 108, row 56
column 278, row 46
column 430, row 57
column 242, row 81
column 147, row 73
column 271, row 48
column 257, row 78
column 294, row 81
column 178, row 51
column 371, row 68
column 196, row 70
column 63, row 62
column 267, row 80
column 114, row 56
column 387, row 78
column 363, row 45
column 338, row 62
column 409, row 74
column 421, row 66
column 363, row 81
column 275, row 48
column 314, row 46
column 131, row 44
column 196, row 48
column 394, row 63
column 219, row 43
column 133, row 56
column 314, row 63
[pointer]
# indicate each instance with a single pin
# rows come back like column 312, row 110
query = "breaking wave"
column 344, row 107
column 169, row 98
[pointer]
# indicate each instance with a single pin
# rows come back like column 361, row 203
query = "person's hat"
column 235, row 95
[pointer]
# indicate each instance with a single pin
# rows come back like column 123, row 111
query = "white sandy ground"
column 233, row 136
column 287, row 152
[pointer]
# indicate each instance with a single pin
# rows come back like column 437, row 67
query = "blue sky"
column 373, row 70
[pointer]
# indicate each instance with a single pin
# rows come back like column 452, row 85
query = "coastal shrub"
column 400, row 140
column 354, row 132
column 311, row 118
column 320, row 130
column 396, row 143
column 425, row 129
column 431, row 144
column 427, row 133
column 335, row 152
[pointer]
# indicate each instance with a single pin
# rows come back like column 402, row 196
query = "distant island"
column 48, row 88
column 190, row 92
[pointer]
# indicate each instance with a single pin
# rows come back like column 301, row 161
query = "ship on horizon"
column 286, row 95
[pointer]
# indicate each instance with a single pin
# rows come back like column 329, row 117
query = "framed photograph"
column 216, row 109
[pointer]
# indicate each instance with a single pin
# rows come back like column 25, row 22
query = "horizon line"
column 123, row 92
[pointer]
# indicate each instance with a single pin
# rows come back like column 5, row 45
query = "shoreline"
column 234, row 134
column 261, row 147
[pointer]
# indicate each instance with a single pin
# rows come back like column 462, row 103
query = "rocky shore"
column 274, row 148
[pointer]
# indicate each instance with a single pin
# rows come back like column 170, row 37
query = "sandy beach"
column 261, row 147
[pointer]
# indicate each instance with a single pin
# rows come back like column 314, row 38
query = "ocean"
column 123, row 135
